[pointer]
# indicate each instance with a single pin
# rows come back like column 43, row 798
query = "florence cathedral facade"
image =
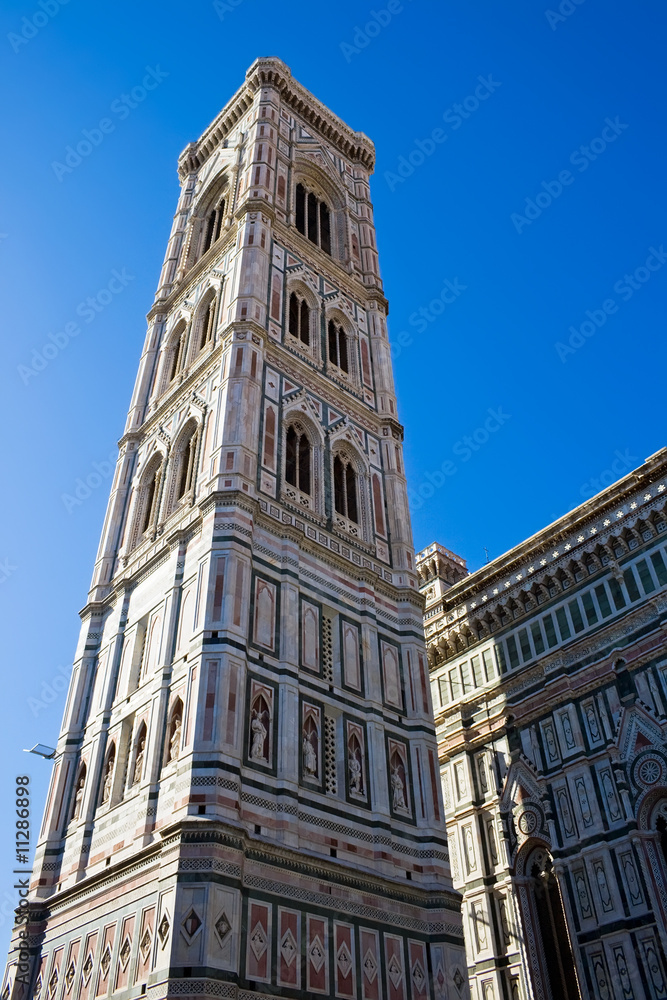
column 249, row 793
column 549, row 681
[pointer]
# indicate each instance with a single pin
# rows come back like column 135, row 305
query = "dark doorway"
column 548, row 907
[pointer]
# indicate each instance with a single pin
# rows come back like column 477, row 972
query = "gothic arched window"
column 345, row 489
column 148, row 498
column 338, row 346
column 299, row 319
column 298, row 460
column 205, row 325
column 313, row 218
column 177, row 349
column 212, row 226
column 185, row 463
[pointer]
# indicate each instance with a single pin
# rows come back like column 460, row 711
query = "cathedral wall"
column 553, row 748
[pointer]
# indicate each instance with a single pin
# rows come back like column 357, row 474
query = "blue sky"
column 564, row 419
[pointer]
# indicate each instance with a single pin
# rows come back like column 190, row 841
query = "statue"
column 355, row 774
column 108, row 777
column 309, row 757
column 139, row 761
column 398, row 789
column 259, row 732
column 175, row 741
column 78, row 798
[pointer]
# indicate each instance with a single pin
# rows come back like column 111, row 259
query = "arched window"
column 345, row 489
column 184, row 470
column 298, row 460
column 212, row 227
column 174, row 731
column 313, row 218
column 299, row 319
column 177, row 350
column 148, row 499
column 206, row 322
column 107, row 775
column 338, row 346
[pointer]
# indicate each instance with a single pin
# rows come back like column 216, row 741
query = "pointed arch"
column 350, row 489
column 183, row 465
column 319, row 207
column 552, row 967
column 147, row 500
column 204, row 322
column 302, row 316
column 175, row 352
column 208, row 220
column 302, row 461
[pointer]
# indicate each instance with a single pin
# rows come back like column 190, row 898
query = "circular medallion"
column 528, row 822
column 649, row 770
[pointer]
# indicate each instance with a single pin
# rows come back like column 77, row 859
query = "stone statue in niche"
column 175, row 741
column 355, row 774
column 108, row 778
column 139, row 761
column 397, row 789
column 309, row 756
column 258, row 731
column 78, row 798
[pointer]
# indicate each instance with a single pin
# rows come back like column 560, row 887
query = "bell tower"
column 245, row 796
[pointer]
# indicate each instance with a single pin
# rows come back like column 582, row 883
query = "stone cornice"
column 313, row 867
column 491, row 708
column 272, row 72
column 558, row 543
